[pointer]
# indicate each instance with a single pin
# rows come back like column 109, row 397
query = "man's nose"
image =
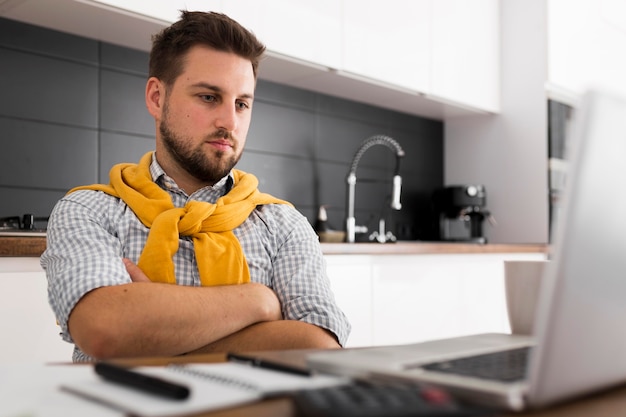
column 226, row 117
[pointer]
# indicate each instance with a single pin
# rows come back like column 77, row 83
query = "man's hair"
column 210, row 29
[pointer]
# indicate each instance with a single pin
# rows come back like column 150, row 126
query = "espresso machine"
column 461, row 213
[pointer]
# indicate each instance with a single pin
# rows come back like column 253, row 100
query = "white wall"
column 508, row 153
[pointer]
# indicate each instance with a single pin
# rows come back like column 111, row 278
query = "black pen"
column 142, row 382
column 262, row 363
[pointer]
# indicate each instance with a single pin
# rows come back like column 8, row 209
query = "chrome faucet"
column 351, row 227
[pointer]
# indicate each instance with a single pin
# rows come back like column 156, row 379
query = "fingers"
column 136, row 274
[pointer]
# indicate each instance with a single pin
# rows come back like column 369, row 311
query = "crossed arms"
column 143, row 318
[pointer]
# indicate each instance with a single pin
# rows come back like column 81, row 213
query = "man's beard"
column 194, row 160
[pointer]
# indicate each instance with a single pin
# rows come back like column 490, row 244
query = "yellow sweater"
column 218, row 252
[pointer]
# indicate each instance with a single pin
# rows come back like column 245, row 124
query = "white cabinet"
column 465, row 52
column 350, row 277
column 309, row 30
column 426, row 54
column 398, row 299
column 390, row 42
column 446, row 49
column 437, row 296
column 28, row 327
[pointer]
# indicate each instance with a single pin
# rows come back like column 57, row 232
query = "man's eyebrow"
column 207, row 86
column 218, row 89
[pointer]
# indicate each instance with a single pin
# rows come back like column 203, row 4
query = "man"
column 249, row 270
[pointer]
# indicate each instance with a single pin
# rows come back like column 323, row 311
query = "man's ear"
column 155, row 95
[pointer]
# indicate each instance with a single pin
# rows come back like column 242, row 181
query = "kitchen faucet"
column 351, row 227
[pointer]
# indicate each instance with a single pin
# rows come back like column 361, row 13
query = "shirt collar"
column 221, row 188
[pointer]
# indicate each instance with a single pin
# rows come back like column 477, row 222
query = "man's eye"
column 242, row 105
column 208, row 98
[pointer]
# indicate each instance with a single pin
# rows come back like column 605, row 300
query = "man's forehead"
column 208, row 66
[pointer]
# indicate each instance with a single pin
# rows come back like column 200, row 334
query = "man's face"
column 206, row 114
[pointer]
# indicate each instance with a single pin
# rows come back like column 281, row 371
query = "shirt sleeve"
column 82, row 252
column 298, row 273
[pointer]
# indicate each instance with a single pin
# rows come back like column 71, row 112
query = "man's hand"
column 136, row 274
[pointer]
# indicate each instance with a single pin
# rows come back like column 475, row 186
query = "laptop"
column 579, row 342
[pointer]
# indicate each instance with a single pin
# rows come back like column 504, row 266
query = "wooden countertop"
column 427, row 248
column 17, row 246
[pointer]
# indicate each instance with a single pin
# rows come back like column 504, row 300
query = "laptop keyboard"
column 506, row 366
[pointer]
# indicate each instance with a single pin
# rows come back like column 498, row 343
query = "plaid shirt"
column 89, row 233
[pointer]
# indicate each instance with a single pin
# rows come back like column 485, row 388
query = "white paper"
column 33, row 391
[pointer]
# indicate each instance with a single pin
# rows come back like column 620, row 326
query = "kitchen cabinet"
column 432, row 58
column 397, row 299
column 389, row 42
column 445, row 49
column 465, row 61
column 307, row 30
column 28, row 327
column 351, row 283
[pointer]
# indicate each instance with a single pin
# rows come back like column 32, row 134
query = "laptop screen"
column 580, row 329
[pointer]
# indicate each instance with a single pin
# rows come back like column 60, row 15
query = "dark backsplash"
column 71, row 107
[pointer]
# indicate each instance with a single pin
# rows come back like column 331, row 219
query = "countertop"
column 33, row 246
column 424, row 248
column 20, row 246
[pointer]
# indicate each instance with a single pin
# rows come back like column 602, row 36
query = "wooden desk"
column 610, row 403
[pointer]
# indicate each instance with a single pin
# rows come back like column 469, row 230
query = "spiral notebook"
column 213, row 386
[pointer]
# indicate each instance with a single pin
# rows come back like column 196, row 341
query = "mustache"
column 221, row 134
